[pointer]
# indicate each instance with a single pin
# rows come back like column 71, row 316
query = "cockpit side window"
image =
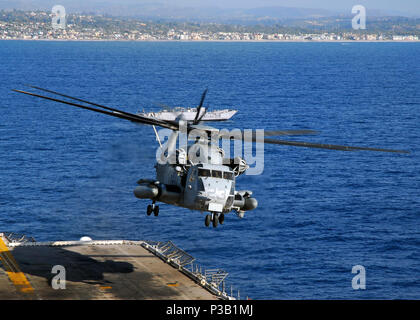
column 228, row 175
column 204, row 173
column 217, row 174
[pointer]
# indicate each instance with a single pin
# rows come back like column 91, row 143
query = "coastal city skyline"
column 37, row 25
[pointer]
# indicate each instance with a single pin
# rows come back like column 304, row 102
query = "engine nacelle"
column 164, row 193
column 146, row 191
column 244, row 202
column 169, row 194
column 250, row 204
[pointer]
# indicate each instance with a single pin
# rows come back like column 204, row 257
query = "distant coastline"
column 37, row 25
column 240, row 41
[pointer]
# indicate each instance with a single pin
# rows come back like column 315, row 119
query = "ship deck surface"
column 107, row 271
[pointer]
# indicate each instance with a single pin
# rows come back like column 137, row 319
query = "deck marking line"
column 105, row 287
column 12, row 269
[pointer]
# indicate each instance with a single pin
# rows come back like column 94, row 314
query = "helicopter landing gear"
column 152, row 208
column 207, row 220
column 221, row 218
column 214, row 218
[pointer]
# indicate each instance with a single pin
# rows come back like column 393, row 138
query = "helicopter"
column 197, row 176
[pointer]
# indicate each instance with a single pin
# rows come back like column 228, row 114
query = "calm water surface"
column 67, row 173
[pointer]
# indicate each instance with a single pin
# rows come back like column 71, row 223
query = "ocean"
column 67, row 173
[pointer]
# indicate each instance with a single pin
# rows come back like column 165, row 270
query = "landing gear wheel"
column 207, row 220
column 149, row 209
column 221, row 218
column 215, row 220
column 156, row 211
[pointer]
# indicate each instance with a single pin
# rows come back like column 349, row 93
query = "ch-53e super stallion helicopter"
column 197, row 176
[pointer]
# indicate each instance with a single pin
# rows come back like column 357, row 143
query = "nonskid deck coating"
column 105, row 271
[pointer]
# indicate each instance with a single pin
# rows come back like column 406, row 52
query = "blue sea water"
column 66, row 173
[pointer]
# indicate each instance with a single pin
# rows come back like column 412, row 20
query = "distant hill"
column 386, row 26
column 165, row 10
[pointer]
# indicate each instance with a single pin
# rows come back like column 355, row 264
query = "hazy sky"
column 412, row 6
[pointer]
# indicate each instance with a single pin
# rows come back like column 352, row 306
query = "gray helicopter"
column 197, row 176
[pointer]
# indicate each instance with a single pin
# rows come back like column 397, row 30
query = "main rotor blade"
column 116, row 113
column 198, row 117
column 98, row 105
column 328, row 146
column 202, row 116
column 253, row 137
column 290, row 133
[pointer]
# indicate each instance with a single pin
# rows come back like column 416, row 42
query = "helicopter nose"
column 202, row 197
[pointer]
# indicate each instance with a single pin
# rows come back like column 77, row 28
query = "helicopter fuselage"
column 198, row 177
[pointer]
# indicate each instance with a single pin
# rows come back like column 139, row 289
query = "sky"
column 412, row 6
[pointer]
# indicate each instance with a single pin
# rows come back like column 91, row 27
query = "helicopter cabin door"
column 190, row 191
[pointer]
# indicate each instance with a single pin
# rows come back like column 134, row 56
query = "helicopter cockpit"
column 228, row 175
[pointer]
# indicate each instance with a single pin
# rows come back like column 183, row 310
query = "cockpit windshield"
column 216, row 174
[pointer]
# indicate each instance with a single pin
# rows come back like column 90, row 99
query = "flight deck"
column 107, row 269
